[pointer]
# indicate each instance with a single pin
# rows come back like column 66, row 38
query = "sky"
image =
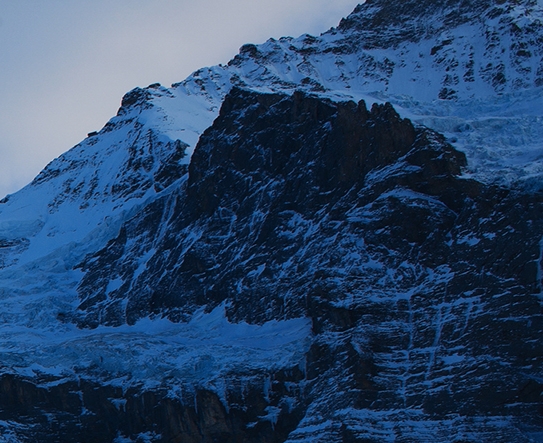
column 65, row 64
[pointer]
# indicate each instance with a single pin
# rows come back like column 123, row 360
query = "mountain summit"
column 332, row 238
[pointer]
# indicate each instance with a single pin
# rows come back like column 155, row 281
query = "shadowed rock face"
column 87, row 412
column 423, row 288
column 271, row 168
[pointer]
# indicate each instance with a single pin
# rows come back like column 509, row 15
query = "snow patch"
column 153, row 351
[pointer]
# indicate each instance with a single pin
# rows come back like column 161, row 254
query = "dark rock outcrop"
column 268, row 159
column 85, row 411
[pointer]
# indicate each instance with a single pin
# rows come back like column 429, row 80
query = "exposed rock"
column 423, row 287
column 87, row 412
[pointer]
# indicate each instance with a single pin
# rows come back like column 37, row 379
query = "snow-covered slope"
column 91, row 236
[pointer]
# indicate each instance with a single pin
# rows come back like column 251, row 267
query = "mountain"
column 328, row 239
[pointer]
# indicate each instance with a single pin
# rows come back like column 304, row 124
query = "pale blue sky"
column 65, row 64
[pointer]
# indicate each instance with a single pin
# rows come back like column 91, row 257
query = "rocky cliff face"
column 304, row 267
column 423, row 288
column 264, row 174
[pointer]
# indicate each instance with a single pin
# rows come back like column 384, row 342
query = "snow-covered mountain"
column 271, row 251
